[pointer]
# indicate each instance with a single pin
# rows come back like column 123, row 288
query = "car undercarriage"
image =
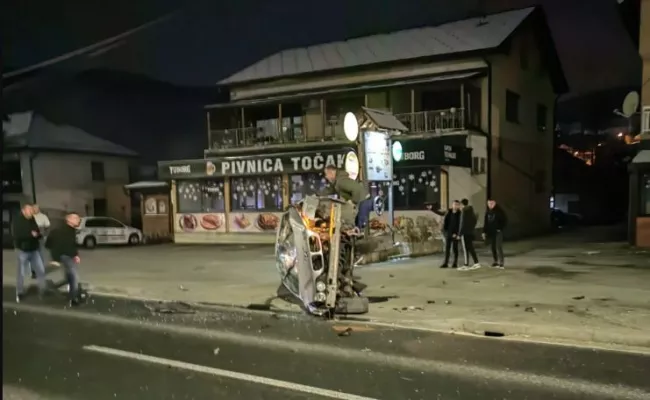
column 315, row 252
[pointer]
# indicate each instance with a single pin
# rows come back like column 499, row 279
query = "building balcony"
column 329, row 130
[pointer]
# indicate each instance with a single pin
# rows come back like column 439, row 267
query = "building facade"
column 477, row 98
column 62, row 169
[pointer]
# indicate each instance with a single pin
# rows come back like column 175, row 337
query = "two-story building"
column 477, row 97
column 62, row 169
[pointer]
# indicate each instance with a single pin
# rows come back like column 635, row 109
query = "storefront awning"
column 346, row 89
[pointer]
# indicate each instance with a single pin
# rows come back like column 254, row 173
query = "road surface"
column 126, row 349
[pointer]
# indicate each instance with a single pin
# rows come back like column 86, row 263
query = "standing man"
column 435, row 208
column 495, row 222
column 43, row 223
column 26, row 241
column 468, row 221
column 351, row 191
column 451, row 227
column 62, row 243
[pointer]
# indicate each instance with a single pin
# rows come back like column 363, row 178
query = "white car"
column 103, row 230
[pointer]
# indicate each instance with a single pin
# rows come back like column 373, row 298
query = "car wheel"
column 134, row 240
column 90, row 242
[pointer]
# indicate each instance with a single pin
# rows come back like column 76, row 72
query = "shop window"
column 645, row 195
column 512, row 106
column 542, row 117
column 413, row 187
column 200, row 196
column 479, row 165
column 12, row 179
column 303, row 185
column 259, row 193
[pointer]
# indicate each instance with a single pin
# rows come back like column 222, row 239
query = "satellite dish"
column 351, row 126
column 630, row 104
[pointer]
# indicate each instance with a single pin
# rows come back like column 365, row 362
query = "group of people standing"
column 32, row 235
column 459, row 227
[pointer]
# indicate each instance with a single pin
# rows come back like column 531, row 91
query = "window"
column 97, row 223
column 12, row 178
column 200, row 196
column 645, row 120
column 512, row 106
column 412, row 187
column 478, row 165
column 97, row 171
column 303, row 185
column 542, row 117
column 113, row 223
column 256, row 193
column 645, row 194
column 99, row 207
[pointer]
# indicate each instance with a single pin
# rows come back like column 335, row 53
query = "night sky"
column 204, row 41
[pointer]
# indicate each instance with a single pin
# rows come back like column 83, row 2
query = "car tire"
column 90, row 242
column 134, row 240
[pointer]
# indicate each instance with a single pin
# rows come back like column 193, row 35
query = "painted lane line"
column 222, row 373
column 577, row 387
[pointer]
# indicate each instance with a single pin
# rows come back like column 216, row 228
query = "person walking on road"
column 451, row 227
column 62, row 244
column 468, row 221
column 493, row 225
column 26, row 242
column 43, row 223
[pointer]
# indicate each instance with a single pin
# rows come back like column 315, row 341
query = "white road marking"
column 295, row 387
column 577, row 387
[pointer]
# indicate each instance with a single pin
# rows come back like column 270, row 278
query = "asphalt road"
column 112, row 348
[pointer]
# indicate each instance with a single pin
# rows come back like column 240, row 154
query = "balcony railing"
column 438, row 121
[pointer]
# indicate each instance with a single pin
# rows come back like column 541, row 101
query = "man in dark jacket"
column 26, row 241
column 348, row 189
column 62, row 243
column 493, row 225
column 450, row 229
column 468, row 221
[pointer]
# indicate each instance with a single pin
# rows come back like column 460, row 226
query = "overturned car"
column 315, row 251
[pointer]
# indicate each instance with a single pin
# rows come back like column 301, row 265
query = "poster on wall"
column 379, row 166
column 200, row 222
column 151, row 206
column 262, row 222
column 416, row 226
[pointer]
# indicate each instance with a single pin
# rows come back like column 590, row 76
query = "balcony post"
column 322, row 118
column 207, row 120
column 413, row 129
column 462, row 105
column 280, row 127
column 243, row 127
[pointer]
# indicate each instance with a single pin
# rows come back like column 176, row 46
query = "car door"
column 99, row 229
column 117, row 231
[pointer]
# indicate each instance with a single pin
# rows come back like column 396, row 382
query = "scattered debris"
column 493, row 334
column 517, row 305
column 447, row 302
column 216, row 351
column 444, row 282
column 366, row 350
column 431, row 302
column 346, row 332
column 571, row 309
column 591, row 253
column 382, row 286
column 578, row 297
column 530, row 309
column 265, row 326
column 183, row 288
column 391, row 275
column 406, row 379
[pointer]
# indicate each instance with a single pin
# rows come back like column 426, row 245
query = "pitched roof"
column 31, row 131
column 461, row 36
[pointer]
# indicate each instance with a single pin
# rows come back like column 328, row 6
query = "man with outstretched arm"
column 62, row 243
column 468, row 221
column 493, row 226
column 450, row 228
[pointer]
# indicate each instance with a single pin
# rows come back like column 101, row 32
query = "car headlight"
column 320, row 286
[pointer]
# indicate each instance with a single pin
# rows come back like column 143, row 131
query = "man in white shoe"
column 468, row 221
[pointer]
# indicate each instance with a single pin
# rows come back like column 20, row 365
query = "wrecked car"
column 315, row 252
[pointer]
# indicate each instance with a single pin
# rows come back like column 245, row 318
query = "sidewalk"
column 588, row 293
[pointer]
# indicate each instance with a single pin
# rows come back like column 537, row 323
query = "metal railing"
column 437, row 121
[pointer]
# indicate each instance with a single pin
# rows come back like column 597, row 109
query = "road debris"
column 578, row 297
column 530, row 309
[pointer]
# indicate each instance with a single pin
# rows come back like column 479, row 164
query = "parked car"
column 95, row 231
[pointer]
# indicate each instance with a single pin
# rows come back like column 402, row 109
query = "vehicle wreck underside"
column 315, row 251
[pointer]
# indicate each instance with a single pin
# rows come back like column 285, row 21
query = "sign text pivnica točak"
column 277, row 165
